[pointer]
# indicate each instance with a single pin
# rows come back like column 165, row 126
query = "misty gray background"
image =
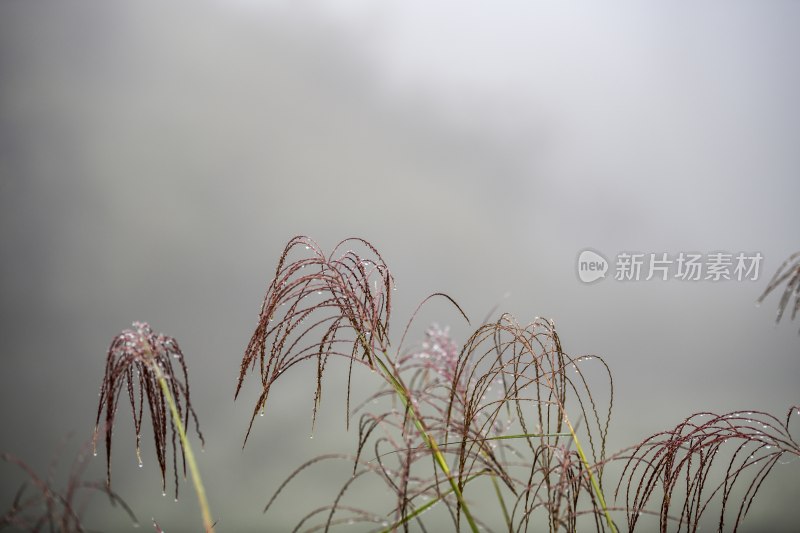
column 156, row 158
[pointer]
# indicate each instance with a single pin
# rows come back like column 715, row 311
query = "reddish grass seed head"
column 136, row 361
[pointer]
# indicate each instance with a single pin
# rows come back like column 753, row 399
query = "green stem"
column 187, row 452
column 422, row 508
column 502, row 501
column 598, row 491
column 522, row 436
column 429, row 441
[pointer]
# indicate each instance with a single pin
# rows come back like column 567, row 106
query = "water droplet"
column 94, row 453
column 176, row 500
column 311, row 436
column 140, row 465
column 164, row 493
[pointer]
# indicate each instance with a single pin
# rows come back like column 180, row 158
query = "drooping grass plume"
column 545, row 390
column 788, row 273
column 41, row 505
column 708, row 464
column 337, row 305
column 500, row 406
column 151, row 367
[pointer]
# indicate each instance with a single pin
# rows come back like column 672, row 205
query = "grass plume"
column 152, row 366
column 328, row 306
column 788, row 273
column 674, row 469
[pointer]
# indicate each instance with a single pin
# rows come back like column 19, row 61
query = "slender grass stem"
column 187, row 452
column 520, row 436
column 596, row 486
column 422, row 508
column 502, row 502
column 468, row 441
column 402, row 392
